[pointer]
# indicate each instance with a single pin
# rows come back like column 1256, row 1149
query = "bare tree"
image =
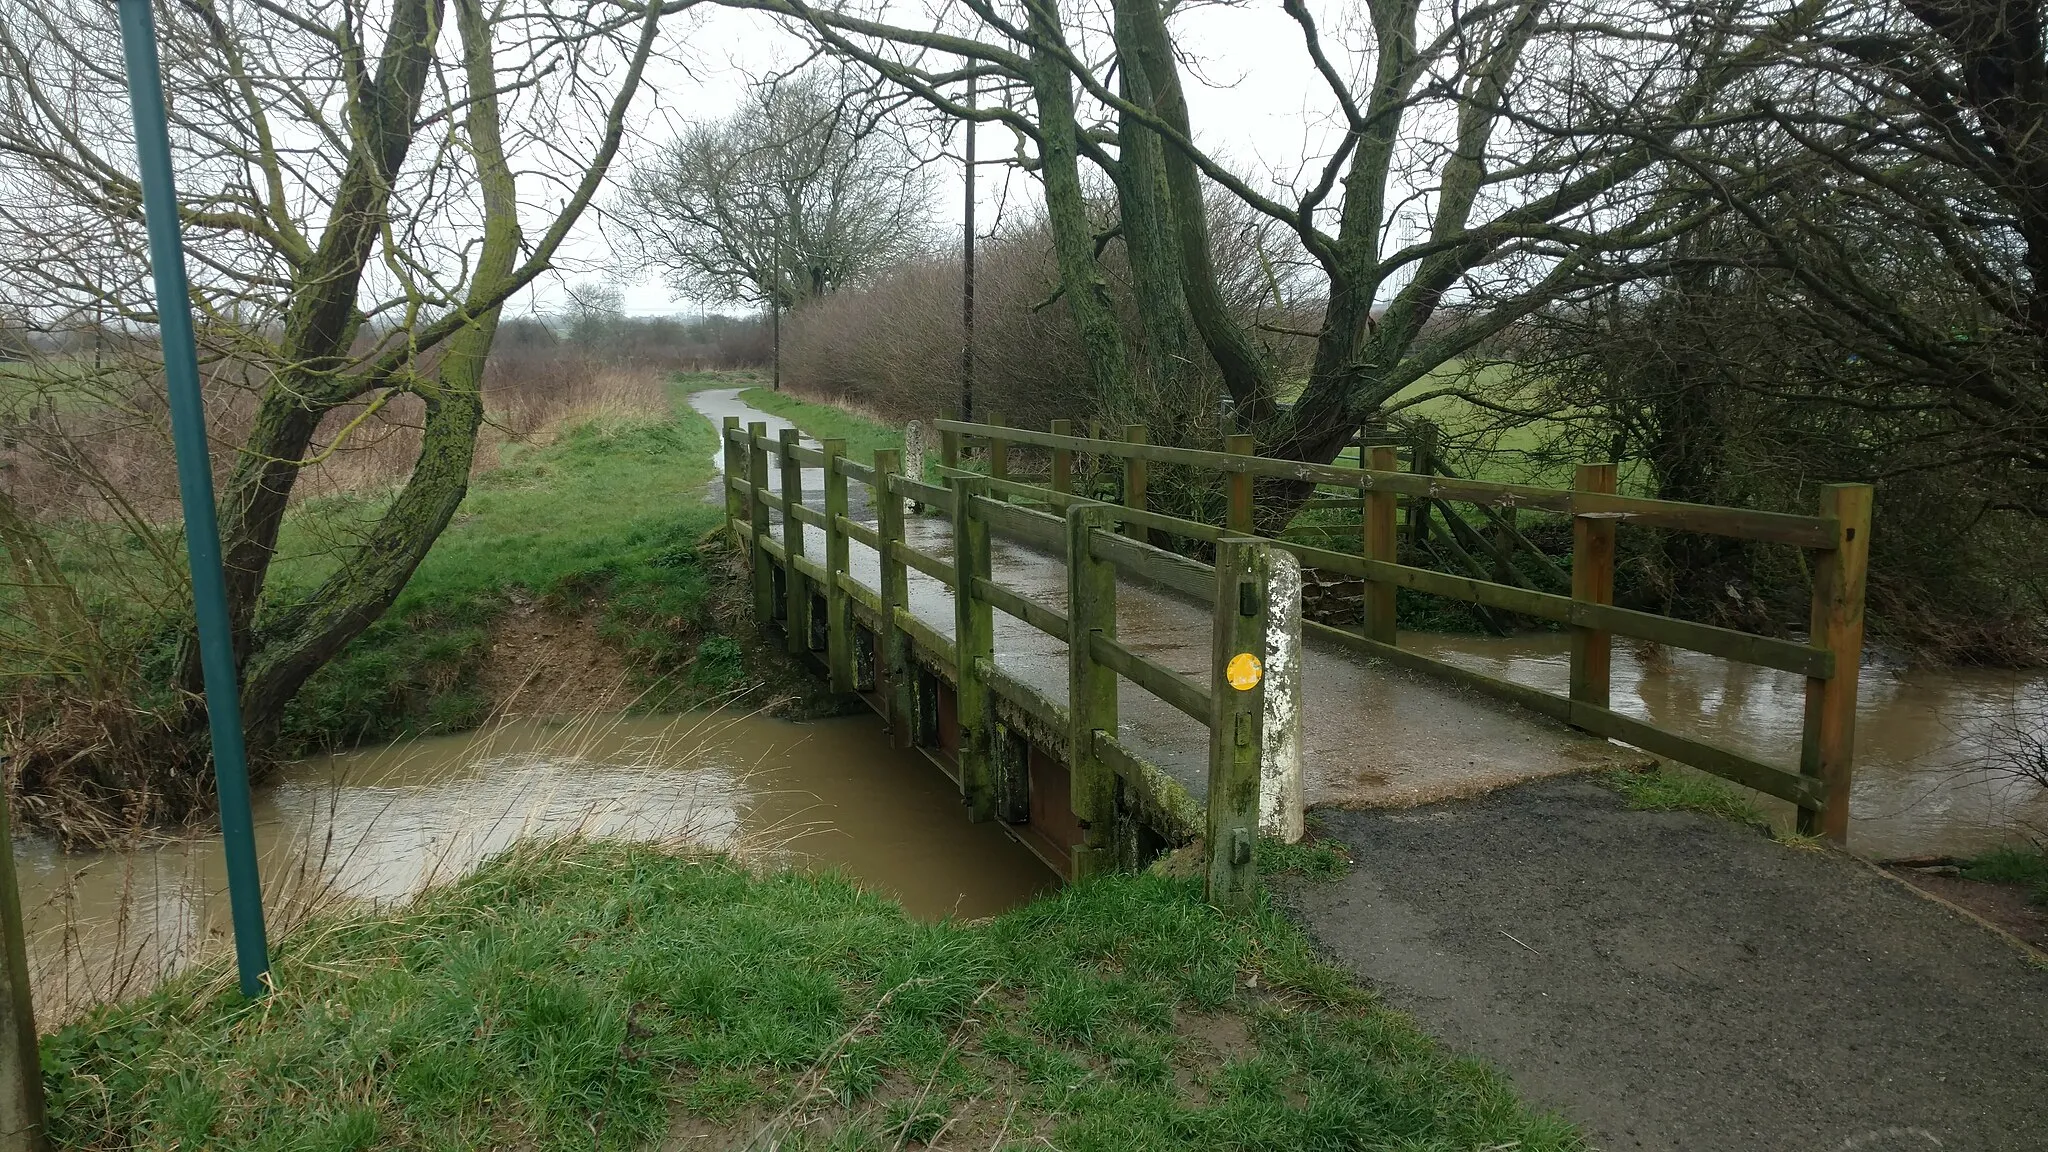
column 1462, row 166
column 805, row 188
column 364, row 186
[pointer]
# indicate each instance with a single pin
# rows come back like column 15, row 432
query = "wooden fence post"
column 949, row 449
column 1239, row 518
column 974, row 640
column 1380, row 544
column 1422, row 462
column 1828, row 748
column 1236, row 718
column 896, row 658
column 838, row 620
column 998, row 454
column 735, row 470
column 1593, row 582
column 1091, row 688
column 796, row 595
column 1136, row 478
column 1063, row 459
column 758, row 520
column 21, row 1067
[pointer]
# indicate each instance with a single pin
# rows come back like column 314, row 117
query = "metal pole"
column 195, row 491
column 967, row 283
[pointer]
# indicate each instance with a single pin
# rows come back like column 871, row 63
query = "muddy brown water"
column 380, row 824
column 1926, row 738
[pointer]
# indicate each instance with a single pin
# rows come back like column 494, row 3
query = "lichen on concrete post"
column 1280, row 791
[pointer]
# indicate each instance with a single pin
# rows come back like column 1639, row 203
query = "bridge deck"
column 1372, row 735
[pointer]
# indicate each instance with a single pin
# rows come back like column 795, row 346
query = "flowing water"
column 1927, row 740
column 380, row 824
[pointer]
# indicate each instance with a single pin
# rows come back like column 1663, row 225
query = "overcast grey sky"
column 1253, row 100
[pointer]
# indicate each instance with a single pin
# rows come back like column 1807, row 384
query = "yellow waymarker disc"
column 1244, row 671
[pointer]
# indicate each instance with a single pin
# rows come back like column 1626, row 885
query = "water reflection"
column 1925, row 738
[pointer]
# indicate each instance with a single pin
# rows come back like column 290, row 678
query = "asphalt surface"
column 1672, row 981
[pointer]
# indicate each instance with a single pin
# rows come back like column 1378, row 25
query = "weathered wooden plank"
column 861, row 594
column 1091, row 689
column 1137, row 479
column 925, row 562
column 1238, row 516
column 758, row 517
column 1828, row 744
column 1237, row 720
column 1592, row 583
column 1767, row 651
column 929, row 640
column 974, row 640
column 894, row 599
column 1158, row 566
column 998, row 450
column 735, row 466
column 855, row 530
column 1029, row 611
column 796, row 610
column 930, row 495
column 1041, row 529
column 1161, row 681
column 859, row 473
column 839, row 655
column 1743, row 523
column 1380, row 543
column 1063, row 455
column 807, row 456
column 1174, row 814
column 1744, row 770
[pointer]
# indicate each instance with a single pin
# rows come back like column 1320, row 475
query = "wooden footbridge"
column 1105, row 697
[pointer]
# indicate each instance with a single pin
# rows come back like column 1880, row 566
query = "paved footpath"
column 1672, row 981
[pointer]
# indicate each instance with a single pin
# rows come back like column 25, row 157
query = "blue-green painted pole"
column 195, row 490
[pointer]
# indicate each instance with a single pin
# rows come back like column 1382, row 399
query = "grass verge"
column 1666, row 789
column 821, row 421
column 2027, row 867
column 601, row 995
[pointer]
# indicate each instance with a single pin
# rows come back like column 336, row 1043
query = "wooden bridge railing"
column 1237, row 713
column 1836, row 537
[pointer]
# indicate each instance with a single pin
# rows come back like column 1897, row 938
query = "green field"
column 605, row 996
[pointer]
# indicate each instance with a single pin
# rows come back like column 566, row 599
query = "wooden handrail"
column 1815, row 532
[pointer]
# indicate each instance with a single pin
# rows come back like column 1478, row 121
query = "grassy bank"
column 606, row 519
column 864, row 435
column 611, row 996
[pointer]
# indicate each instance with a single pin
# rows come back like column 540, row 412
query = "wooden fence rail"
column 1085, row 535
column 1836, row 536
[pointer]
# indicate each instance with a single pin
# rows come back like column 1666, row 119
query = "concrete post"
column 1280, row 793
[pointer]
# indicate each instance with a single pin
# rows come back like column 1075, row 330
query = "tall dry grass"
column 93, row 442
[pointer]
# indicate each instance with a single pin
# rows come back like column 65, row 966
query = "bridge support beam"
column 974, row 644
column 896, row 657
column 1237, row 718
column 1829, row 739
column 1091, row 688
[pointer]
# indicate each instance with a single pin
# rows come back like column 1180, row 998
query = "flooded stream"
column 380, row 824
column 1924, row 736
